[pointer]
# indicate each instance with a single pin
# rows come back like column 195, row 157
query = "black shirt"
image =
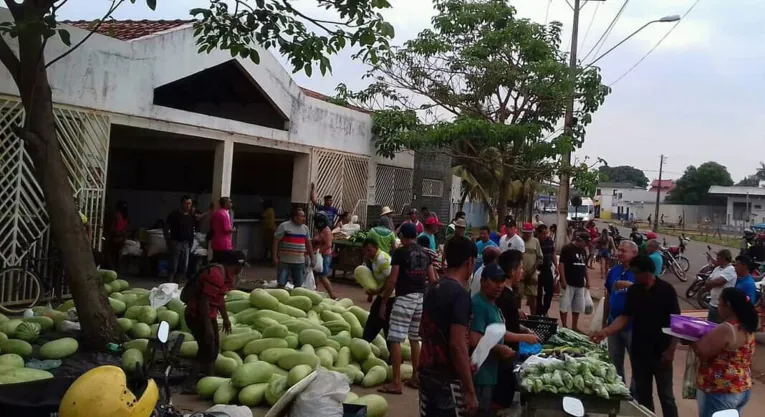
column 548, row 250
column 446, row 303
column 412, row 262
column 508, row 307
column 650, row 310
column 574, row 263
column 181, row 226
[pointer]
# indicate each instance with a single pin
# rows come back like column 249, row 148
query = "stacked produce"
column 574, row 344
column 573, row 376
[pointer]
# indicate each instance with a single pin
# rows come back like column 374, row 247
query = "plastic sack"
column 596, row 324
column 689, row 377
column 309, row 281
column 221, row 410
column 323, row 397
column 589, row 305
column 491, row 337
column 159, row 296
column 318, row 262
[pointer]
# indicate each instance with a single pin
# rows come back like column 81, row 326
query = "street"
column 694, row 251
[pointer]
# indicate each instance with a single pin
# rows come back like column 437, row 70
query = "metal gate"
column 393, row 187
column 344, row 177
column 24, row 223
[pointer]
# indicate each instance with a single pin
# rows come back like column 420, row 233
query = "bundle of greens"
column 358, row 237
column 573, row 340
column 585, row 375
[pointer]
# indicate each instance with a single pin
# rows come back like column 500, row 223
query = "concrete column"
column 224, row 161
column 301, row 178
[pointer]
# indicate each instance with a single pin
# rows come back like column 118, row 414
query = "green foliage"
column 304, row 40
column 484, row 87
column 693, row 187
column 754, row 179
column 624, row 173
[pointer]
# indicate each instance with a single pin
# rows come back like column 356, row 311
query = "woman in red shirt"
column 116, row 236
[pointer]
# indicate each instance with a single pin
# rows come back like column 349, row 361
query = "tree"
column 754, row 179
column 482, row 86
column 625, row 173
column 268, row 23
column 693, row 187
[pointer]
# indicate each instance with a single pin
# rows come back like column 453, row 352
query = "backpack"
column 191, row 289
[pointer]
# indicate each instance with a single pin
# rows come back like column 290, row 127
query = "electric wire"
column 587, row 33
column 599, row 44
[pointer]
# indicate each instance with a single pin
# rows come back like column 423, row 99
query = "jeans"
column 485, row 396
column 179, row 257
column 714, row 315
column 712, row 403
column 545, row 290
column 644, row 372
column 617, row 344
column 296, row 271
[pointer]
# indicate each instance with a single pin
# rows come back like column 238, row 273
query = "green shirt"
column 384, row 237
column 484, row 314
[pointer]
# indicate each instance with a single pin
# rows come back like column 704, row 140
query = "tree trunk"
column 502, row 203
column 98, row 321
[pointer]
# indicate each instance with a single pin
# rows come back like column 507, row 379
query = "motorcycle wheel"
column 694, row 289
column 679, row 273
column 703, row 298
column 684, row 263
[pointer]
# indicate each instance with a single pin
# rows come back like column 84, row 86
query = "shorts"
column 711, row 403
column 405, row 318
column 604, row 253
column 572, row 300
column 529, row 285
column 326, row 261
column 440, row 397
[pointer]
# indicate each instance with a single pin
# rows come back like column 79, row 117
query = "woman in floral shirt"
column 724, row 378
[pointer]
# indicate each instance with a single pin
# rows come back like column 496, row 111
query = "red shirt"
column 120, row 223
column 214, row 285
column 221, row 227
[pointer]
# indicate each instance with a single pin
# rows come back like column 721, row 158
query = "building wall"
column 430, row 168
column 736, row 209
column 672, row 212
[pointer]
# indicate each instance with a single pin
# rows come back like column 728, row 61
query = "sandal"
column 386, row 390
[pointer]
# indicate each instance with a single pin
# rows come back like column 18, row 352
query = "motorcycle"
column 670, row 263
column 702, row 275
column 678, row 251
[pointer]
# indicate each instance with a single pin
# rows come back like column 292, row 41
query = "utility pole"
column 658, row 196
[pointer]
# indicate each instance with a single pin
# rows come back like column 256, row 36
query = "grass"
column 729, row 241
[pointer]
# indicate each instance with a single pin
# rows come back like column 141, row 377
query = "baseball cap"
column 460, row 223
column 432, row 221
column 527, row 228
column 408, row 230
column 493, row 272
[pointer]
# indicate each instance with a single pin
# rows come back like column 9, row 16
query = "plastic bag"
column 491, row 337
column 221, row 410
column 689, row 377
column 589, row 306
column 596, row 324
column 323, row 397
column 309, row 281
column 159, row 296
column 318, row 262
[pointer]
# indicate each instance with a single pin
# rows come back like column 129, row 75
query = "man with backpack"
column 203, row 295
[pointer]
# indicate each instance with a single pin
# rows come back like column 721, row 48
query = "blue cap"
column 408, row 230
column 493, row 272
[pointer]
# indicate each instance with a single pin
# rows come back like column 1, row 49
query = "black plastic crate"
column 354, row 410
column 545, row 328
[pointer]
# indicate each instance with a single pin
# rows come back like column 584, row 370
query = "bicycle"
column 21, row 286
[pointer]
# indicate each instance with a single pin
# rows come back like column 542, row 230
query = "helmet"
column 103, row 392
column 748, row 233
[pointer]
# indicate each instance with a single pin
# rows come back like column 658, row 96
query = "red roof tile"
column 130, row 29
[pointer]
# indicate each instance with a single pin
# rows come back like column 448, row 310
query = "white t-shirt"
column 507, row 243
column 729, row 273
column 475, row 282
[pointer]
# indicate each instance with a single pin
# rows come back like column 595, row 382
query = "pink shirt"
column 220, row 226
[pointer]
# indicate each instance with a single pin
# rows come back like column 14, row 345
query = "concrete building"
column 144, row 118
column 606, row 198
column 745, row 205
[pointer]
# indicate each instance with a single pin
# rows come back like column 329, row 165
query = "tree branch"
column 114, row 6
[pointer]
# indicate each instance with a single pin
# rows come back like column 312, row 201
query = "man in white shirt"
column 490, row 256
column 512, row 240
column 723, row 276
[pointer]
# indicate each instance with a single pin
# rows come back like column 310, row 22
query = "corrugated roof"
column 127, row 30
column 752, row 191
column 621, row 185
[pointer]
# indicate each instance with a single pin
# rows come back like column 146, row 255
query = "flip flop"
column 391, row 391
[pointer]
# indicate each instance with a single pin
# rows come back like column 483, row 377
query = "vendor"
column 379, row 262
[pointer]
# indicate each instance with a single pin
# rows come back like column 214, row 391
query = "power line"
column 587, row 33
column 599, row 44
column 547, row 13
column 669, row 32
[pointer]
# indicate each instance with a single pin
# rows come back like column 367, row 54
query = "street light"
column 666, row 19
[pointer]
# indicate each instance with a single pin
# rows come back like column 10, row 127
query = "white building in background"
column 607, row 198
column 745, row 205
column 144, row 118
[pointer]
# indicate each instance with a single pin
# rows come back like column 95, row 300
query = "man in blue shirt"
column 619, row 279
column 330, row 211
column 654, row 252
column 745, row 282
column 483, row 243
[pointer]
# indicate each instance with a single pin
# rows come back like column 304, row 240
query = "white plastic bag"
column 589, row 306
column 689, row 377
column 159, row 296
column 309, row 281
column 318, row 262
column 493, row 335
column 596, row 324
column 230, row 411
column 324, row 397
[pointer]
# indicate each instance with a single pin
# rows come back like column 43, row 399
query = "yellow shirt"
column 269, row 219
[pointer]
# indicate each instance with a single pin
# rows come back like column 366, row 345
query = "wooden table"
column 348, row 256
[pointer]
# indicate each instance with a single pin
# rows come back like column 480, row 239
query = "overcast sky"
column 696, row 98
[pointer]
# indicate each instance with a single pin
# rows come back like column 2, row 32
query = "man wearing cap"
column 451, row 230
column 572, row 269
column 723, row 276
column 532, row 258
column 653, row 250
column 386, row 218
column 745, row 283
column 327, row 208
column 511, row 240
column 431, row 228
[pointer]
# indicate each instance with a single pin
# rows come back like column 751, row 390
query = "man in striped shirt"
column 291, row 245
